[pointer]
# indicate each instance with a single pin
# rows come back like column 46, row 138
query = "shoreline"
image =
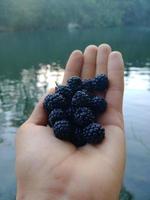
column 13, row 30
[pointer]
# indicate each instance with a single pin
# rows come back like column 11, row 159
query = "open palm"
column 48, row 168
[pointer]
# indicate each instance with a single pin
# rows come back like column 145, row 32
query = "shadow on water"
column 125, row 194
column 1, row 140
column 23, row 82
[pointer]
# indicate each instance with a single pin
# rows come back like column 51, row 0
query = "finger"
column 73, row 66
column 39, row 115
column 114, row 95
column 102, row 58
column 89, row 65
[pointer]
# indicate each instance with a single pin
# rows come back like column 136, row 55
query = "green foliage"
column 33, row 14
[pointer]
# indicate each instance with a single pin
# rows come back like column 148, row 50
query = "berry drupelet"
column 54, row 101
column 83, row 116
column 65, row 91
column 56, row 115
column 63, row 129
column 75, row 83
column 77, row 138
column 69, row 112
column 88, row 85
column 80, row 98
column 101, row 83
column 94, row 133
column 98, row 104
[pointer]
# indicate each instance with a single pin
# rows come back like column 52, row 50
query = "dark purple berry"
column 88, row 85
column 80, row 98
column 101, row 83
column 75, row 83
column 83, row 116
column 73, row 109
column 77, row 138
column 56, row 115
column 63, row 130
column 54, row 101
column 65, row 91
column 69, row 112
column 98, row 104
column 94, row 133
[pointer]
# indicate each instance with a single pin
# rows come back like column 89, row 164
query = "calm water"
column 32, row 61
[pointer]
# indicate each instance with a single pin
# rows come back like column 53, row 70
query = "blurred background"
column 36, row 38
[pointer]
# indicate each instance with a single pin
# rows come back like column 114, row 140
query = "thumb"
column 39, row 115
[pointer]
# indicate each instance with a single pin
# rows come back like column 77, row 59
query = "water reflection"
column 137, row 79
column 18, row 97
column 30, row 48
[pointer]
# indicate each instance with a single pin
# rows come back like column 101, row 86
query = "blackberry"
column 81, row 98
column 101, row 82
column 88, row 85
column 62, row 130
column 75, row 83
column 83, row 116
column 65, row 91
column 56, row 115
column 98, row 104
column 94, row 133
column 77, row 138
column 54, row 101
column 69, row 112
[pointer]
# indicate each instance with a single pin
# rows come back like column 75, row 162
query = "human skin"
column 50, row 169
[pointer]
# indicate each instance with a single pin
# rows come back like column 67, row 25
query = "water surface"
column 32, row 61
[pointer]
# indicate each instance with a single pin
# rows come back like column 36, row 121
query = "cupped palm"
column 54, row 169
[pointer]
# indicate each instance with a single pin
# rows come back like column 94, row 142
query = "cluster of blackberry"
column 73, row 110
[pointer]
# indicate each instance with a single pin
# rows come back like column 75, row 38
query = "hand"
column 50, row 169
